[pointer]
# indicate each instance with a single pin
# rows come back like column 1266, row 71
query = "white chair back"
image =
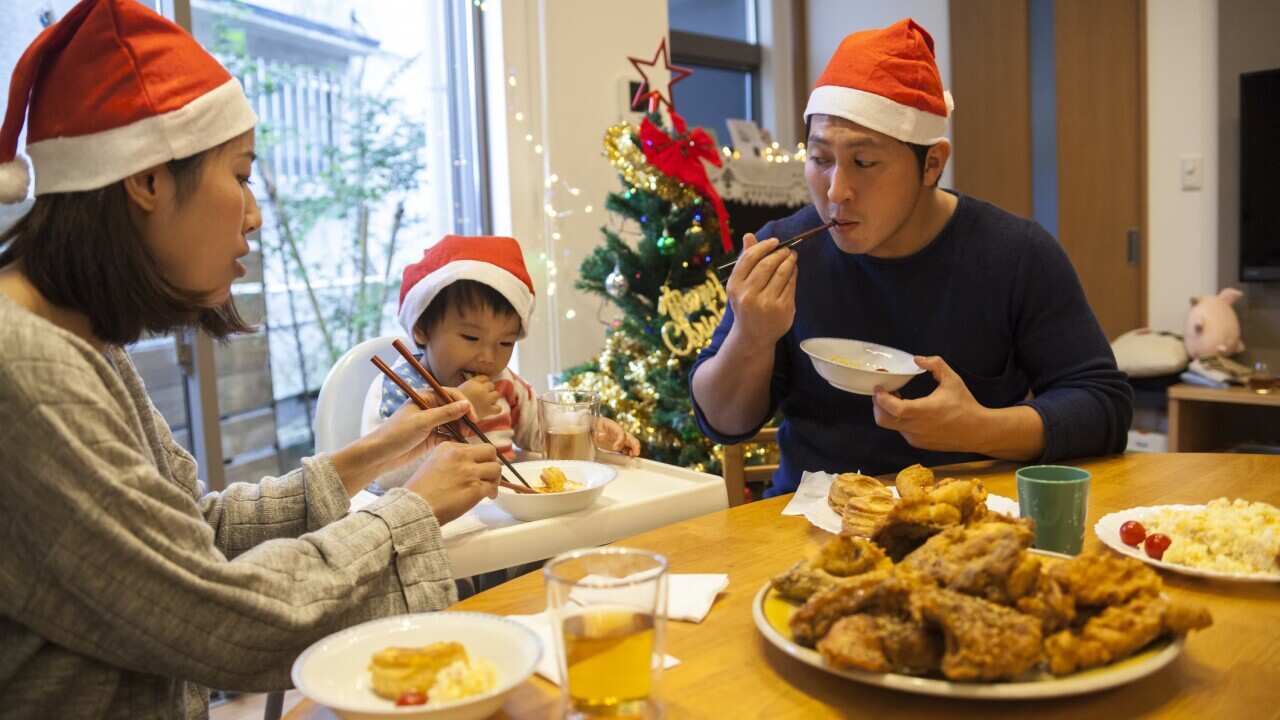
column 342, row 396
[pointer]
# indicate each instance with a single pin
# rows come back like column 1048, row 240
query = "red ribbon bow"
column 680, row 157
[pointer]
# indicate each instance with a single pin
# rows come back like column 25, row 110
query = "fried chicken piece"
column 1120, row 630
column 914, row 482
column 805, row 579
column 1101, row 577
column 847, row 556
column 1055, row 608
column 869, row 593
column 882, row 643
column 984, row 641
column 840, row 561
column 987, row 560
column 912, row 521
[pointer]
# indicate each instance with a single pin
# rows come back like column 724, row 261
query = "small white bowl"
column 334, row 672
column 523, row 506
column 858, row 367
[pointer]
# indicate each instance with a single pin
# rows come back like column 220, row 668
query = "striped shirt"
column 515, row 423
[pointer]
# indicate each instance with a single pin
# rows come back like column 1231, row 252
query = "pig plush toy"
column 1212, row 325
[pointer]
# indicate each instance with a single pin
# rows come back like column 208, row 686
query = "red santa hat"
column 493, row 261
column 110, row 90
column 886, row 80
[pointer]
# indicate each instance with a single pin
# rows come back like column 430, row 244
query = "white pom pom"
column 14, row 181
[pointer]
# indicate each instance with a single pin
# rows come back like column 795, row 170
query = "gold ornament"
column 694, row 315
column 629, row 160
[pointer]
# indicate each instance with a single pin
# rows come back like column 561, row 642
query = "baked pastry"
column 397, row 670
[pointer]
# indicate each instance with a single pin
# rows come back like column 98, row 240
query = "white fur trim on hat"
column 15, row 179
column 879, row 113
column 87, row 162
column 509, row 286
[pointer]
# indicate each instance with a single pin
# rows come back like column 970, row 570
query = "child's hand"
column 483, row 395
column 611, row 436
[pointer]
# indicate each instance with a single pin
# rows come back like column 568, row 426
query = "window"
column 368, row 145
column 717, row 40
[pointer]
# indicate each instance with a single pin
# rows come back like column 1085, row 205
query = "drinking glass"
column 607, row 608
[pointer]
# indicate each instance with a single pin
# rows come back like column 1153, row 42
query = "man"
column 1018, row 367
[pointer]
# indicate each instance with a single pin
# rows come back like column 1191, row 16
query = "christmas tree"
column 666, row 287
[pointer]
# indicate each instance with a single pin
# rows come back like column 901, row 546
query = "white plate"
column 334, row 672
column 523, row 506
column 1108, row 531
column 1044, row 685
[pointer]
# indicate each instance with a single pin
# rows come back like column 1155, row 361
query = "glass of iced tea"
column 568, row 419
column 607, row 609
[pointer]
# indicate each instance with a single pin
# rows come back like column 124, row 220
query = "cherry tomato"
column 1132, row 533
column 1156, row 544
column 411, row 697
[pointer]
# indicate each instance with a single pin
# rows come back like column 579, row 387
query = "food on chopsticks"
column 434, row 673
column 972, row 603
column 554, row 481
column 1224, row 535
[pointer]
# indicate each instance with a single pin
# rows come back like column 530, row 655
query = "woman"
column 124, row 592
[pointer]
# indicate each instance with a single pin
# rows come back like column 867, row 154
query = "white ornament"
column 616, row 284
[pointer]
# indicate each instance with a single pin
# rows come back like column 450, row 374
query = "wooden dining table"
column 728, row 670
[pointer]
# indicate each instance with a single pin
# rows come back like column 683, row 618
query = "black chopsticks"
column 450, row 428
column 789, row 243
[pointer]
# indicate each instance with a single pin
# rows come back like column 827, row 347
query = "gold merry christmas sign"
column 693, row 315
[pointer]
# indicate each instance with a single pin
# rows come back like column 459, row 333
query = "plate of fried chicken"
column 970, row 610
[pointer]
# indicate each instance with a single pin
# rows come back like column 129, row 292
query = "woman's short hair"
column 83, row 252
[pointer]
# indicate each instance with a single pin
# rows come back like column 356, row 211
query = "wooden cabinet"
column 1205, row 419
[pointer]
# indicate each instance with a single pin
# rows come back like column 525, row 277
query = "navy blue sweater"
column 994, row 295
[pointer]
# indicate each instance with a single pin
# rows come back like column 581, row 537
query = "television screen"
column 1260, row 175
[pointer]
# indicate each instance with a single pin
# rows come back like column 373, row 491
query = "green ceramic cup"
column 1056, row 497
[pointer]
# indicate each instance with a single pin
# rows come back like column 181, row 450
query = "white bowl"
column 523, row 506
column 334, row 672
column 858, row 367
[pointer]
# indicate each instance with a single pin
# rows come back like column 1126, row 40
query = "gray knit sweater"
column 125, row 592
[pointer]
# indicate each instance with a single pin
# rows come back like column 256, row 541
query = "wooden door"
column 992, row 122
column 1101, row 159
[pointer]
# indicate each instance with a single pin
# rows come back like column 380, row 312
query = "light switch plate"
column 1192, row 172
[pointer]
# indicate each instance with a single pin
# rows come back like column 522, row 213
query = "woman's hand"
column 404, row 437
column 611, row 436
column 456, row 476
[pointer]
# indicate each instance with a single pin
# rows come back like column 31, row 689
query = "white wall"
column 1182, row 107
column 829, row 21
column 569, row 60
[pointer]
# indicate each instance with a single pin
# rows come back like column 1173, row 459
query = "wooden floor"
column 250, row 707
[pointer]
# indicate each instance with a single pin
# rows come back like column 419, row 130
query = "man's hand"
column 948, row 419
column 482, row 393
column 762, row 292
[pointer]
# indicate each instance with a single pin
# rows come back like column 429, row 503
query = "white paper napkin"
column 549, row 666
column 810, row 501
column 689, row 595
